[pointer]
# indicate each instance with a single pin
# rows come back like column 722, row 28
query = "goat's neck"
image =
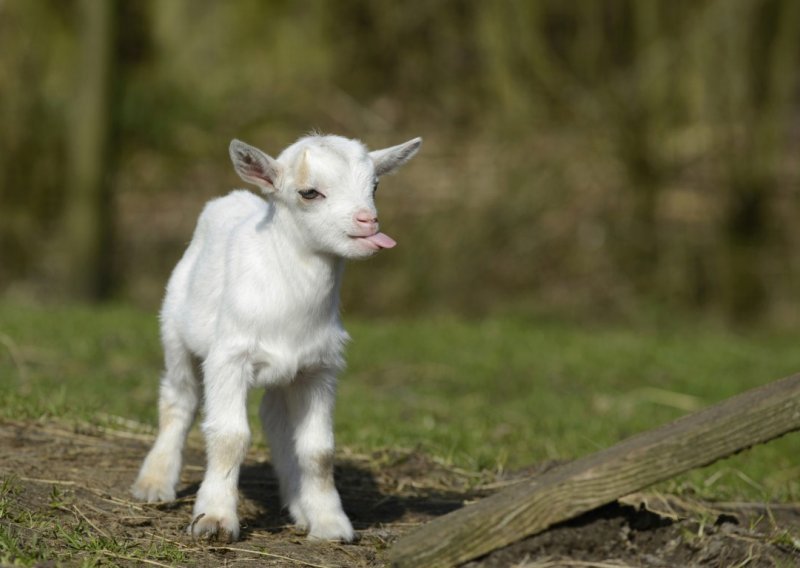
column 315, row 274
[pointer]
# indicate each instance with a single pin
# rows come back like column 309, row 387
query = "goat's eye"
column 374, row 186
column 309, row 194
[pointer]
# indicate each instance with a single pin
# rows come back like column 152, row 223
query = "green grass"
column 29, row 537
column 489, row 394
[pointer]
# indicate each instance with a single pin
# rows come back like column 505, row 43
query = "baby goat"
column 256, row 299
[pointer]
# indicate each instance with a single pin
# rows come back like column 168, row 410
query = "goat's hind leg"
column 274, row 414
column 310, row 400
column 177, row 405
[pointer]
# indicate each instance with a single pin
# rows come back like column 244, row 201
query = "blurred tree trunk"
column 767, row 90
column 638, row 114
column 640, row 153
column 89, row 219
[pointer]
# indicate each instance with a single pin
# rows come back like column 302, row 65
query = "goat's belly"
column 277, row 364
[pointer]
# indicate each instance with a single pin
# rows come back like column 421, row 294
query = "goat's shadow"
column 364, row 502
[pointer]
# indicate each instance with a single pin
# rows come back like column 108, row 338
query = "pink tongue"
column 383, row 241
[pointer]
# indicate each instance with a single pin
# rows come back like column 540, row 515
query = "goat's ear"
column 389, row 159
column 254, row 166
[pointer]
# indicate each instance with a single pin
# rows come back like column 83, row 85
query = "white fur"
column 255, row 298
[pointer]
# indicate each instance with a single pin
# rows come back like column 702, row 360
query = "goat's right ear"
column 389, row 159
column 254, row 166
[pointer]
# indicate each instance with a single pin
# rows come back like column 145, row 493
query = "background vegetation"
column 582, row 158
column 603, row 188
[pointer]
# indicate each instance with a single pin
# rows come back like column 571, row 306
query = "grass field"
column 483, row 394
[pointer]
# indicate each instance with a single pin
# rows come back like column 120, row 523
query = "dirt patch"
column 622, row 535
column 66, row 494
column 64, row 499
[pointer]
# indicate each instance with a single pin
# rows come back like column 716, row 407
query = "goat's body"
column 279, row 322
column 255, row 298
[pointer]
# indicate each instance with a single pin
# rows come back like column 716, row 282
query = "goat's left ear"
column 389, row 159
column 254, row 166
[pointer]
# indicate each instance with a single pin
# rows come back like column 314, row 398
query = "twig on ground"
column 237, row 549
column 48, row 481
column 134, row 558
column 94, row 526
column 561, row 562
column 269, row 554
column 97, row 493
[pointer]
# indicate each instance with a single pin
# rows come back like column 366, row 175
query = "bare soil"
column 76, row 477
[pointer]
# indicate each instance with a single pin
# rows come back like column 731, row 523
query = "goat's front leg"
column 310, row 401
column 227, row 436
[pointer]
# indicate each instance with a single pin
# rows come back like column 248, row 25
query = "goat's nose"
column 365, row 217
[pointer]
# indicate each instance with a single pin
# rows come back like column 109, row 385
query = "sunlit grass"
column 488, row 394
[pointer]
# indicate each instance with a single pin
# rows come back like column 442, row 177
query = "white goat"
column 256, row 299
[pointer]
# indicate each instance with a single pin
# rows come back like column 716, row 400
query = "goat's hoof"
column 300, row 520
column 334, row 527
column 151, row 491
column 214, row 528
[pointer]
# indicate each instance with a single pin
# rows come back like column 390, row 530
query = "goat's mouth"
column 375, row 242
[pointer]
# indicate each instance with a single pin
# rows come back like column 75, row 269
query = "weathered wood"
column 696, row 440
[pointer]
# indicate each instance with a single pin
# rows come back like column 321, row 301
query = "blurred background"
column 582, row 159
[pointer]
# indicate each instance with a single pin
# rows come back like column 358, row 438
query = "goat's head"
column 328, row 183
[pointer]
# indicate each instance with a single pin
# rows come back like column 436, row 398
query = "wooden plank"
column 696, row 440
